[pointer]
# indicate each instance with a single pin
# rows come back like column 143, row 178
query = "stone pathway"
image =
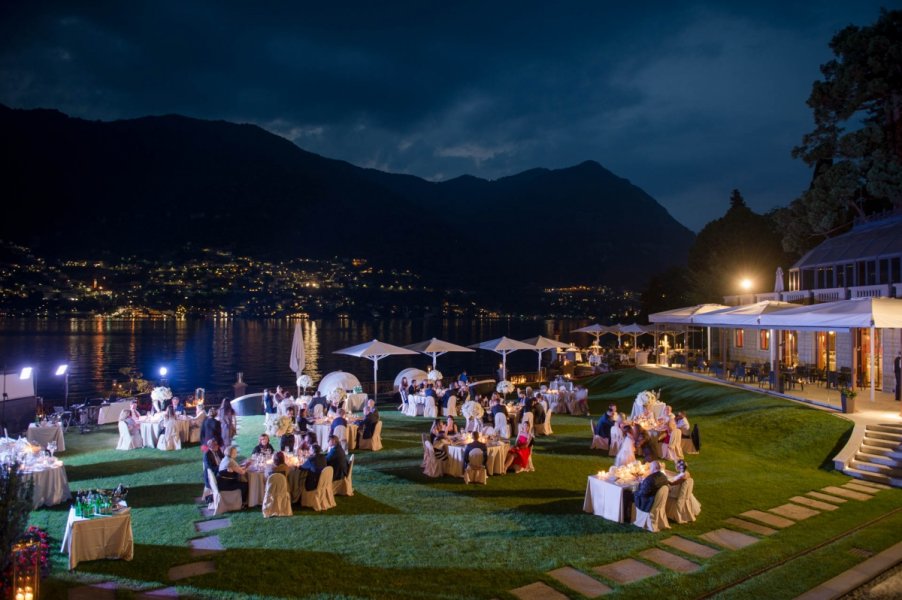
column 763, row 523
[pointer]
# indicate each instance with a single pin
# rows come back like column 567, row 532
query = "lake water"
column 209, row 353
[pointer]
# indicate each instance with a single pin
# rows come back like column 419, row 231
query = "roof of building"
column 867, row 240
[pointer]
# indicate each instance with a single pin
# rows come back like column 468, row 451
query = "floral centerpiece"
column 646, row 398
column 504, row 387
column 284, row 425
column 304, row 382
column 434, row 375
column 337, row 396
column 472, row 410
column 159, row 395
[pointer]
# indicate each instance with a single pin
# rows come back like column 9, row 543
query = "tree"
column 740, row 244
column 15, row 505
column 856, row 145
column 666, row 290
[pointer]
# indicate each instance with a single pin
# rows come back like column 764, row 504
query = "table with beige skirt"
column 494, row 462
column 256, row 485
column 97, row 538
column 109, row 413
column 42, row 435
column 321, row 430
column 150, row 430
column 51, row 485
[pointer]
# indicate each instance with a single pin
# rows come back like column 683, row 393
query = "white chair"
column 170, row 439
column 545, row 428
column 432, row 466
column 616, row 440
column 197, row 424
column 429, row 409
column 673, row 450
column 374, row 443
column 411, row 409
column 322, row 497
column 502, row 428
column 344, row 487
column 128, row 440
column 656, row 519
column 476, row 472
column 528, row 418
column 451, row 409
column 341, row 432
column 223, row 502
column 684, row 508
column 276, row 499
column 473, row 425
column 318, row 411
column 598, row 442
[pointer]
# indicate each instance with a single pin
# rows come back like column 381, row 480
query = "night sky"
column 686, row 99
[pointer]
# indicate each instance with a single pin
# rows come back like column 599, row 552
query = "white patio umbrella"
column 436, row 347
column 596, row 330
column 778, row 280
column 374, row 351
column 635, row 330
column 297, row 359
column 541, row 343
column 503, row 346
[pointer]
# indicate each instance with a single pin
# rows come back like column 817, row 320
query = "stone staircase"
column 879, row 458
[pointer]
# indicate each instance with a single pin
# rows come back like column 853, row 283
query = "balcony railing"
column 830, row 294
column 798, row 296
column 768, row 296
column 870, row 291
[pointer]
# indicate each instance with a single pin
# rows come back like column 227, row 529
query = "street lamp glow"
column 746, row 284
column 61, row 370
column 163, row 371
column 25, row 373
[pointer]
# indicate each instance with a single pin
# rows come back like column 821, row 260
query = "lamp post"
column 63, row 371
column 163, row 372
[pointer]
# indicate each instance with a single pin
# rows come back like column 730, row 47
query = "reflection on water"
column 209, row 353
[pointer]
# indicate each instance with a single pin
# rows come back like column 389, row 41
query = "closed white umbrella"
column 374, row 351
column 297, row 360
column 596, row 330
column 503, row 346
column 778, row 281
column 436, row 347
column 541, row 343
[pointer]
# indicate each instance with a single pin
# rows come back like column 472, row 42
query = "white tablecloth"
column 494, row 464
column 356, row 402
column 51, row 486
column 45, row 434
column 111, row 412
column 150, row 430
column 322, row 434
column 96, row 538
column 605, row 499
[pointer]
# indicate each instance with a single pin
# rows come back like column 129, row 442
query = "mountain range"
column 156, row 186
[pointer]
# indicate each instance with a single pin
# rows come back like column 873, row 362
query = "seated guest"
column 538, row 413
column 582, row 398
column 212, row 457
column 280, row 394
column 437, row 428
column 451, row 427
column 402, row 392
column 134, row 426
column 525, row 401
column 517, row 457
column 476, row 444
column 263, row 446
column 177, row 406
column 655, row 480
column 302, row 421
column 287, row 441
column 316, row 401
column 285, row 403
column 337, row 459
column 440, row 446
column 168, row 422
column 278, row 465
column 367, row 425
column 339, row 421
column 429, row 392
column 606, row 422
column 497, row 406
column 230, row 472
column 133, row 410
column 682, row 423
column 312, row 468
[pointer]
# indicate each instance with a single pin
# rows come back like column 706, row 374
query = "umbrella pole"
column 434, row 356
column 873, row 370
column 375, row 378
column 504, row 366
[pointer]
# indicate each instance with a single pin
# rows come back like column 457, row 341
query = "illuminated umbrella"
column 374, row 351
column 436, row 347
column 503, row 346
column 541, row 343
column 596, row 330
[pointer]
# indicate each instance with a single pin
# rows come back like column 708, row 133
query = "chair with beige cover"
column 374, row 443
column 673, row 450
column 502, row 428
column 528, row 418
column 476, row 471
column 432, row 466
column 411, row 410
column 656, row 519
column 318, row 411
column 341, row 432
column 222, row 501
column 197, row 424
column 276, row 499
column 345, row 487
column 545, row 428
column 127, row 439
column 616, row 440
column 451, row 409
column 170, row 439
column 322, row 497
column 684, row 507
column 688, row 444
column 598, row 442
column 429, row 410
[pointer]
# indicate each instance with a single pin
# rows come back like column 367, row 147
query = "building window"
column 738, row 337
column 763, row 339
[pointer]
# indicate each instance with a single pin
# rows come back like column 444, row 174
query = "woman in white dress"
column 627, row 452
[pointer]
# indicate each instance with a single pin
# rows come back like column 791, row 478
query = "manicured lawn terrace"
column 407, row 536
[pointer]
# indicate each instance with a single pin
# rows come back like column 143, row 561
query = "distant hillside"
column 150, row 186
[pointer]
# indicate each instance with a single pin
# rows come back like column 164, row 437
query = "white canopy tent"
column 436, row 347
column 336, row 379
column 503, row 346
column 374, row 351
column 410, row 373
column 684, row 315
column 541, row 343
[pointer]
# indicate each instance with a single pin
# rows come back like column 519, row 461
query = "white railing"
column 770, row 296
column 797, row 296
column 898, row 287
column 830, row 294
column 870, row 291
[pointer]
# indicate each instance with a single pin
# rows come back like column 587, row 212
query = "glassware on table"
column 51, row 447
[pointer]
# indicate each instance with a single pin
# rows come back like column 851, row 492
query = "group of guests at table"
column 442, row 434
column 442, row 396
column 632, row 439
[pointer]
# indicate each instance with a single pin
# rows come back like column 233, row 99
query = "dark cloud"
column 688, row 100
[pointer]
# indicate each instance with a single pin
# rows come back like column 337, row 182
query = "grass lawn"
column 404, row 535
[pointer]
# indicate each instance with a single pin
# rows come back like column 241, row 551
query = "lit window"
column 738, row 338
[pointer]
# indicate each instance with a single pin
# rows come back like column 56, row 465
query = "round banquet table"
column 150, row 430
column 494, row 464
column 256, row 485
column 44, row 434
column 322, row 434
column 51, row 486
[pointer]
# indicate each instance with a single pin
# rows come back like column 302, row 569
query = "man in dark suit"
column 211, row 427
column 211, row 459
column 526, row 401
column 269, row 407
column 476, row 444
column 606, row 422
column 655, row 480
column 338, row 421
column 446, row 396
column 498, row 407
column 312, row 468
column 538, row 413
column 177, row 406
column 317, row 400
column 413, row 388
column 337, row 459
column 367, row 425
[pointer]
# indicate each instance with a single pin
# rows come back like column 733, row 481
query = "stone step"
column 690, row 547
column 212, row 525
column 878, row 459
column 810, row 502
column 794, row 511
column 857, row 487
column 880, row 451
column 843, row 492
column 767, row 518
column 827, row 497
column 191, row 570
column 885, row 427
column 875, row 468
column 538, row 591
column 670, row 561
column 579, row 581
column 873, row 477
column 625, row 571
column 880, row 443
column 749, row 526
column 883, row 435
column 726, row 538
column 876, row 486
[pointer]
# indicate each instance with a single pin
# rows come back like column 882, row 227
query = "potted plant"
column 847, row 398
